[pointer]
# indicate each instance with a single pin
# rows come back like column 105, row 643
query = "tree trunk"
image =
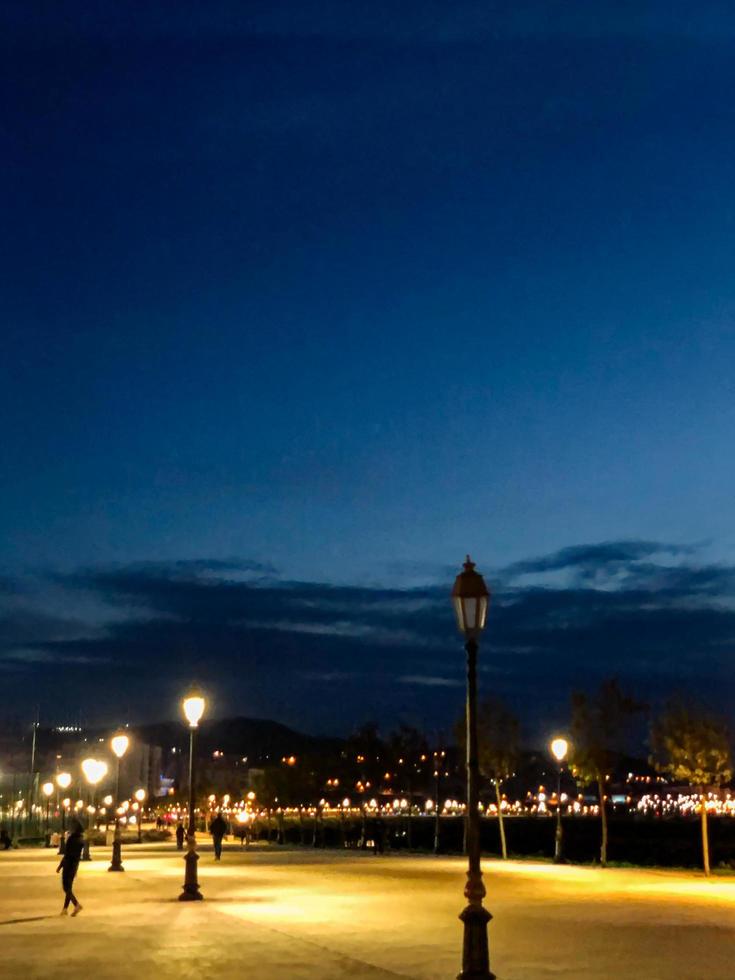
column 705, row 835
column 603, row 818
column 409, row 822
column 501, row 824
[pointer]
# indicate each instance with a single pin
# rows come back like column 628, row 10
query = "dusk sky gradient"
column 301, row 302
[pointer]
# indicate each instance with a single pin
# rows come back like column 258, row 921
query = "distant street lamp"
column 47, row 790
column 94, row 771
column 559, row 749
column 470, row 598
column 140, row 797
column 63, row 781
column 439, row 755
column 193, row 710
column 119, row 745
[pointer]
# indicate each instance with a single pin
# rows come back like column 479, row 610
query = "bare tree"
column 499, row 742
column 407, row 745
column 598, row 726
column 694, row 747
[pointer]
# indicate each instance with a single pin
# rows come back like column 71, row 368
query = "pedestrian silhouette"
column 180, row 834
column 69, row 865
column 218, row 829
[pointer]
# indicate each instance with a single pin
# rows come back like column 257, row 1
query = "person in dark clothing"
column 180, row 834
column 379, row 836
column 218, row 829
column 69, row 865
column 5, row 841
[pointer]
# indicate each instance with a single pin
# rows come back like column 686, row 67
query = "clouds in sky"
column 126, row 639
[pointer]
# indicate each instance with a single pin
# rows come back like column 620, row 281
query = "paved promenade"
column 291, row 914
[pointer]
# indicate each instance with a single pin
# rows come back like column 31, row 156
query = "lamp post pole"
column 437, row 806
column 62, row 838
column 558, row 835
column 63, row 781
column 116, row 863
column 193, row 709
column 470, row 597
column 86, row 856
column 48, row 789
column 119, row 745
column 140, row 795
column 559, row 748
column 475, row 953
column 94, row 770
column 192, row 825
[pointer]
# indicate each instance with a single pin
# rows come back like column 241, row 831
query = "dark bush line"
column 644, row 841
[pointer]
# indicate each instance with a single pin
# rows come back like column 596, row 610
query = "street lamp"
column 119, row 745
column 47, row 790
column 94, row 771
column 140, row 796
column 63, row 781
column 470, row 598
column 193, row 707
column 559, row 748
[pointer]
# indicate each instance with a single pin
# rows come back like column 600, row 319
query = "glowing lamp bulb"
column 120, row 745
column 94, row 770
column 140, row 795
column 48, row 789
column 63, row 780
column 559, row 749
column 194, row 709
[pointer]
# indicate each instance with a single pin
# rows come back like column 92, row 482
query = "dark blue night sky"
column 301, row 302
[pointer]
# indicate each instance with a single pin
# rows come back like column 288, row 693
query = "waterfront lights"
column 470, row 598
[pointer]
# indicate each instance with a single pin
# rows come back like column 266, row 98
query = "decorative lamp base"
column 116, row 864
column 475, row 955
column 191, row 891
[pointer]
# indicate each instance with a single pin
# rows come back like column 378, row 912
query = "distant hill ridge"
column 252, row 737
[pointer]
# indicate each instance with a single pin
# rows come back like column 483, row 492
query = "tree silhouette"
column 693, row 747
column 598, row 725
column 498, row 748
column 406, row 746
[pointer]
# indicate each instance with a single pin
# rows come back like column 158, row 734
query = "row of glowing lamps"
column 94, row 771
column 685, row 804
column 244, row 812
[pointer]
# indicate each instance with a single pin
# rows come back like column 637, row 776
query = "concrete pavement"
column 275, row 913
